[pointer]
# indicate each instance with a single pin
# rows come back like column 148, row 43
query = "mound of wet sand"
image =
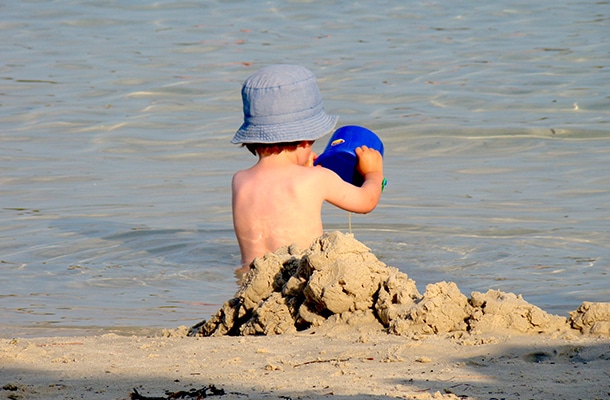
column 339, row 281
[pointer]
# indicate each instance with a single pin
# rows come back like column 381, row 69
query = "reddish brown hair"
column 266, row 149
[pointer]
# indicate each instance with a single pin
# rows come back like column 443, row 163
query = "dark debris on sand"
column 196, row 394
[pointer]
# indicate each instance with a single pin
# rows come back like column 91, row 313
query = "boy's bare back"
column 278, row 201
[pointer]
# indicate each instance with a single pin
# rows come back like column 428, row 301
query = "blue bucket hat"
column 282, row 103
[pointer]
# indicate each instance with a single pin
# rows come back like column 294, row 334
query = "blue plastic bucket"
column 340, row 152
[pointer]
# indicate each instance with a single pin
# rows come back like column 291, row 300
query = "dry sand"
column 332, row 321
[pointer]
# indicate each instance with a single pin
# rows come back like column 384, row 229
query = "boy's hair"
column 267, row 149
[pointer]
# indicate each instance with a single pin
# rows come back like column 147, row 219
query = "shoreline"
column 330, row 322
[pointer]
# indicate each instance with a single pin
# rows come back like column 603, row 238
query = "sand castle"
column 338, row 280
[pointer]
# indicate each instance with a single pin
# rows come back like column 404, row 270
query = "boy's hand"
column 369, row 160
column 312, row 157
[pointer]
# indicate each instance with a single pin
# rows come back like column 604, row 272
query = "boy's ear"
column 305, row 143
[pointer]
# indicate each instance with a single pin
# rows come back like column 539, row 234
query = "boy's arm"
column 358, row 199
column 370, row 165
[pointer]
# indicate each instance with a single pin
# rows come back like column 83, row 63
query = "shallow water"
column 115, row 157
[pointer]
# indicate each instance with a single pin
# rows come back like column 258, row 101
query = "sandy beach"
column 342, row 363
column 116, row 217
column 330, row 321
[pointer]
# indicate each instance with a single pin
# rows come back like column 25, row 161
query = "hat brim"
column 308, row 129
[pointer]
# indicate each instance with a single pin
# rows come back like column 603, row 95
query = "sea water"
column 115, row 161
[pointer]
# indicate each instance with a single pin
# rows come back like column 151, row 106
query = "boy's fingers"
column 311, row 159
column 362, row 149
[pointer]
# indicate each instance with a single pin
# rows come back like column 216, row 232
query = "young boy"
column 278, row 201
